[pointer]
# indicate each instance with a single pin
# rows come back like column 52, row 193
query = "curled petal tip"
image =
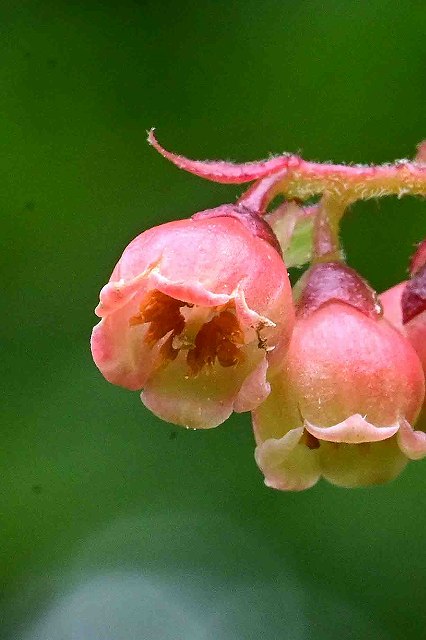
column 286, row 465
column 353, row 430
column 254, row 390
column 412, row 443
column 220, row 171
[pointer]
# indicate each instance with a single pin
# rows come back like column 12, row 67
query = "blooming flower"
column 349, row 389
column 190, row 312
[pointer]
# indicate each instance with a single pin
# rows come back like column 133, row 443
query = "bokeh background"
column 114, row 525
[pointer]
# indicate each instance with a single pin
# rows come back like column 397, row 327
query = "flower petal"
column 196, row 402
column 120, row 352
column 412, row 443
column 191, row 292
column 353, row 430
column 248, row 317
column 207, row 399
column 287, row 464
column 117, row 293
column 360, row 465
column 254, row 390
column 224, row 172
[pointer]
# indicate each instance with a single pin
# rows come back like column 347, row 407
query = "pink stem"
column 299, row 179
column 219, row 171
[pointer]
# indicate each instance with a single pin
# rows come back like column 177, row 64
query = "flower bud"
column 189, row 313
column 349, row 387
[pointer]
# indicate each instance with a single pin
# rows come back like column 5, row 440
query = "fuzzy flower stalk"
column 199, row 316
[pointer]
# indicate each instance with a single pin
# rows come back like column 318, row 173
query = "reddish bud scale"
column 413, row 300
column 328, row 281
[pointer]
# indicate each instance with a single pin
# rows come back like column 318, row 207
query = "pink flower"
column 404, row 305
column 348, row 391
column 414, row 328
column 189, row 313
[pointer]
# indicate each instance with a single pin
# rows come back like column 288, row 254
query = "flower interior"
column 207, row 334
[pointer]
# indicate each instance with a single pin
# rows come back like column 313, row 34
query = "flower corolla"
column 348, row 392
column 190, row 312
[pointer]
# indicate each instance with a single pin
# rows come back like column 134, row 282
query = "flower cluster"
column 199, row 315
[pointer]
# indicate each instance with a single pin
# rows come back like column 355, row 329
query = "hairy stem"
column 302, row 180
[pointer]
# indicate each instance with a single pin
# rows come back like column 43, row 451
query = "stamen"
column 217, row 339
column 163, row 315
column 220, row 338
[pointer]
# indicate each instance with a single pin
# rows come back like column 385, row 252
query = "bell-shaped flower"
column 404, row 305
column 349, row 389
column 190, row 312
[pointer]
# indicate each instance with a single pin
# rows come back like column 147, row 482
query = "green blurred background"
column 114, row 525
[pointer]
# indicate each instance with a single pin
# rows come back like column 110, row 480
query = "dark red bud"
column 413, row 300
